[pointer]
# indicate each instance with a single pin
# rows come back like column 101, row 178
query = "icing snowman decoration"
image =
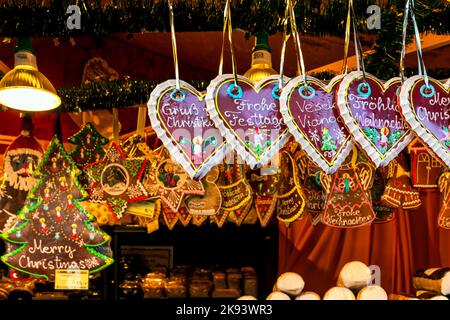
column 384, row 138
column 58, row 214
column 57, row 236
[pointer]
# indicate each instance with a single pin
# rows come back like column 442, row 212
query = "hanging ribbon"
column 347, row 39
column 228, row 29
column 230, row 39
column 409, row 7
column 224, row 32
column 174, row 46
column 296, row 38
column 283, row 47
column 358, row 46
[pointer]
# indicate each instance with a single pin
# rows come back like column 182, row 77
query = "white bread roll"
column 247, row 298
column 308, row 295
column 277, row 295
column 354, row 275
column 372, row 292
column 290, row 283
column 339, row 293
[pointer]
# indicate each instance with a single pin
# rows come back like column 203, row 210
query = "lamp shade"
column 24, row 87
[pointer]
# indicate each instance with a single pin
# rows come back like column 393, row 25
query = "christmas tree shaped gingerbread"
column 89, row 145
column 53, row 231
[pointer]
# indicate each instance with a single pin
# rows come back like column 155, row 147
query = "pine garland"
column 384, row 62
column 314, row 17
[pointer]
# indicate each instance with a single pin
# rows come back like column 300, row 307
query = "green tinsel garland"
column 384, row 62
column 313, row 16
column 122, row 94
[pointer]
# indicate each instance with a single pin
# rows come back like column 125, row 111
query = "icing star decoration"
column 117, row 180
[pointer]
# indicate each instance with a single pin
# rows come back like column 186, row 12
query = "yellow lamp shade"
column 25, row 88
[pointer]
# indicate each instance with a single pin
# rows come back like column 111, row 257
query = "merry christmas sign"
column 53, row 230
column 370, row 112
column 426, row 109
column 310, row 112
column 180, row 120
column 248, row 116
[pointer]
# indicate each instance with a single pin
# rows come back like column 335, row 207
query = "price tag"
column 71, row 279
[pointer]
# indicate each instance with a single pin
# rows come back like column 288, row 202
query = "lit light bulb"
column 24, row 87
column 261, row 59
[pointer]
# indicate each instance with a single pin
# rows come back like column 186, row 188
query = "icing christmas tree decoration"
column 311, row 114
column 168, row 181
column 371, row 114
column 290, row 199
column 116, row 180
column 62, row 237
column 89, row 145
column 444, row 213
column 185, row 128
column 248, row 116
column 20, row 161
column 425, row 167
column 398, row 192
column 426, row 110
column 348, row 203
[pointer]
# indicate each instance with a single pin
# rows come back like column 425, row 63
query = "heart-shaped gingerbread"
column 371, row 114
column 180, row 120
column 311, row 115
column 248, row 116
column 427, row 111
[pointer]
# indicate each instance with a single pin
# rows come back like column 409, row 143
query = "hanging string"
column 419, row 45
column 283, row 47
column 355, row 41
column 174, row 46
column 403, row 52
column 347, row 39
column 230, row 39
column 224, row 32
column 296, row 38
column 359, row 51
